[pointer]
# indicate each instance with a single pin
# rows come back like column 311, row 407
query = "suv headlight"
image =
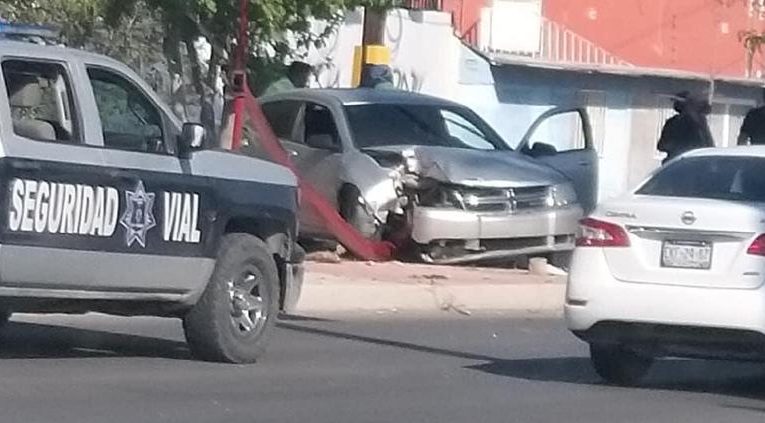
column 563, row 195
column 442, row 197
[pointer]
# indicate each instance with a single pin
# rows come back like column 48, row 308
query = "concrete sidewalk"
column 361, row 286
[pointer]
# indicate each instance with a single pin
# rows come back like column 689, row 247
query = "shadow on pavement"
column 35, row 341
column 716, row 377
column 383, row 342
column 299, row 318
column 743, row 380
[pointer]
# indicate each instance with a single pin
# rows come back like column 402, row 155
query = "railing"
column 423, row 4
column 560, row 44
column 557, row 44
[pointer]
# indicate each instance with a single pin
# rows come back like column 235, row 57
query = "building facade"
column 627, row 103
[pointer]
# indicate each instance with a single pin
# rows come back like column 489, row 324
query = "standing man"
column 753, row 129
column 298, row 75
column 688, row 129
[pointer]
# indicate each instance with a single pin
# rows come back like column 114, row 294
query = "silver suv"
column 425, row 171
column 110, row 204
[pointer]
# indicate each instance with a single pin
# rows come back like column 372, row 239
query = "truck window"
column 129, row 120
column 41, row 101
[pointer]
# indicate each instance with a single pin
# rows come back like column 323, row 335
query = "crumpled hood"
column 478, row 168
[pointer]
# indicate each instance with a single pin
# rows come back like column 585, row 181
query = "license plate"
column 686, row 255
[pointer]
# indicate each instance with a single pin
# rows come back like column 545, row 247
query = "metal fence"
column 424, row 4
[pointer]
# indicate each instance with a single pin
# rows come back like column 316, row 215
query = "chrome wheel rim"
column 249, row 299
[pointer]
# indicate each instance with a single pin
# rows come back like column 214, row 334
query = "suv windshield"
column 380, row 125
column 723, row 178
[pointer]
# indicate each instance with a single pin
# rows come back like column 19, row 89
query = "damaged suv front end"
column 516, row 208
column 427, row 173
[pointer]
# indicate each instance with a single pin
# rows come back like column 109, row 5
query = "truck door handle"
column 292, row 153
column 584, row 164
column 124, row 176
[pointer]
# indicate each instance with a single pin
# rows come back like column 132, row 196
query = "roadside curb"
column 332, row 293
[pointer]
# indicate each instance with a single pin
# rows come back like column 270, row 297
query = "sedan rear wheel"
column 618, row 365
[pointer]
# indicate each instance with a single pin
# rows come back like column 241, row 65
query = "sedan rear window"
column 722, row 178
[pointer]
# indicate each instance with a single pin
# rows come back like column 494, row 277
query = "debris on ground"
column 431, row 277
column 323, row 257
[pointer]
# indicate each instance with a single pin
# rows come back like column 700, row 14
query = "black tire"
column 356, row 214
column 619, row 366
column 561, row 260
column 244, row 285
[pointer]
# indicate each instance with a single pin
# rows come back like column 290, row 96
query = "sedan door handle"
column 583, row 164
column 292, row 153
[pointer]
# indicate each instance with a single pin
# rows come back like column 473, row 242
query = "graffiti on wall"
column 327, row 74
column 408, row 80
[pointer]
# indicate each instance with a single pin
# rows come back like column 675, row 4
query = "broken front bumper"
column 466, row 236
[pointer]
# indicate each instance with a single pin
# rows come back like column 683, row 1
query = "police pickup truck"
column 109, row 204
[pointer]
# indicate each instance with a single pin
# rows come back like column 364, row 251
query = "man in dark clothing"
column 688, row 129
column 753, row 129
column 377, row 76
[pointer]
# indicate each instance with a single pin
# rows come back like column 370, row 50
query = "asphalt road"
column 375, row 368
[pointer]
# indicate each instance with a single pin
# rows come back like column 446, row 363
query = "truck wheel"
column 619, row 366
column 236, row 314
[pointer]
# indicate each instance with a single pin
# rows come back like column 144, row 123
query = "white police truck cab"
column 109, row 204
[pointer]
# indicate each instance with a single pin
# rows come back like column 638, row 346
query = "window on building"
column 41, row 100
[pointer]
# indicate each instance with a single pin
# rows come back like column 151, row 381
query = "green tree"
column 145, row 32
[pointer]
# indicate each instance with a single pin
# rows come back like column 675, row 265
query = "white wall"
column 427, row 57
column 424, row 52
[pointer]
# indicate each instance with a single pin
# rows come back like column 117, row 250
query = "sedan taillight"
column 596, row 233
column 757, row 248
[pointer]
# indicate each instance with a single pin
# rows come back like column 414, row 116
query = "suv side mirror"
column 192, row 138
column 540, row 149
column 322, row 142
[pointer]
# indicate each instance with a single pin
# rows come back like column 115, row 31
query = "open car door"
column 562, row 139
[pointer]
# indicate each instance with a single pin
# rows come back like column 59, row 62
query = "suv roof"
column 350, row 96
column 28, row 49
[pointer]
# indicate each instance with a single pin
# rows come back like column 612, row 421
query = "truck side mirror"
column 192, row 138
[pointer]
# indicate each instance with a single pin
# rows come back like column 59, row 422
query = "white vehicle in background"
column 675, row 269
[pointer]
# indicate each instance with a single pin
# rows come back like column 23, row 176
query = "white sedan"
column 676, row 268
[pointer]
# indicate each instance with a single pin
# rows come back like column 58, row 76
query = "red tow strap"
column 345, row 234
column 245, row 105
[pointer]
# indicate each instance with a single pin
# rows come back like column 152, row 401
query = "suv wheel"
column 238, row 310
column 619, row 366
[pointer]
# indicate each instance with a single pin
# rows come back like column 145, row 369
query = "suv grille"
column 507, row 200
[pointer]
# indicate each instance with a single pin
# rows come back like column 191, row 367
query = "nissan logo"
column 688, row 218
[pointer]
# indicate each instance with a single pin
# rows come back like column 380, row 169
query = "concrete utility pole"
column 373, row 50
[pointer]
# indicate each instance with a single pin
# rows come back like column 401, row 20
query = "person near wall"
column 379, row 77
column 688, row 129
column 753, row 129
column 298, row 76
